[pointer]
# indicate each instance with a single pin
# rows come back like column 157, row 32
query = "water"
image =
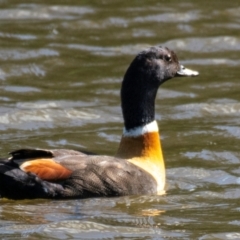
column 60, row 74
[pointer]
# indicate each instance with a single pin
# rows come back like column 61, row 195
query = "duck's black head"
column 146, row 73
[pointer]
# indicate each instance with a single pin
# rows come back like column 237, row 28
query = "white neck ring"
column 139, row 131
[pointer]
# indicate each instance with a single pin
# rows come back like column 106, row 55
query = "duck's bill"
column 185, row 72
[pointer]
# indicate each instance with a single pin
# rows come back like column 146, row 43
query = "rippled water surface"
column 61, row 65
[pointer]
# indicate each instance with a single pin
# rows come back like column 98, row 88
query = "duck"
column 138, row 165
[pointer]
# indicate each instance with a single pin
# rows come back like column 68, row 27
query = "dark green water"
column 61, row 65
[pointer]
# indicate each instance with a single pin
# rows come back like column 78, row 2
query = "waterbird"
column 136, row 169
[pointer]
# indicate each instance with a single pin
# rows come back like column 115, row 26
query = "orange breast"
column 145, row 152
column 147, row 145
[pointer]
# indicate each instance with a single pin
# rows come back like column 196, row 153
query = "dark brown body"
column 91, row 176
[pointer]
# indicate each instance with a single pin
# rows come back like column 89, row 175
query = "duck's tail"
column 16, row 184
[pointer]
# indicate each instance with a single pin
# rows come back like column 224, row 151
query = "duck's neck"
column 138, row 103
column 141, row 136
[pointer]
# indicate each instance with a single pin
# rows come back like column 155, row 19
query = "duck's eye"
column 168, row 58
